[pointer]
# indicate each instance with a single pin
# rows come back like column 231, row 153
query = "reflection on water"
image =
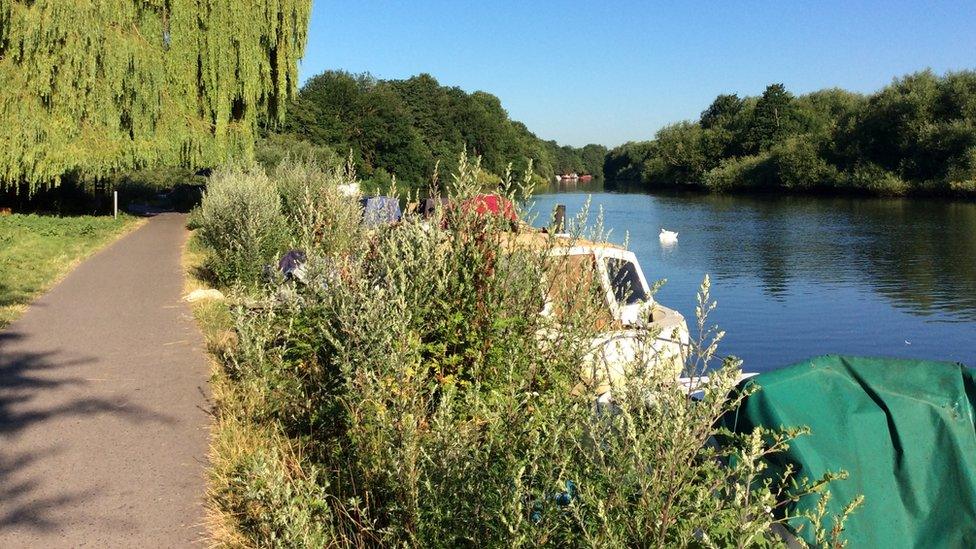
column 801, row 276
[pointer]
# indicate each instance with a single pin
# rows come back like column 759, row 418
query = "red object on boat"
column 586, row 177
column 490, row 204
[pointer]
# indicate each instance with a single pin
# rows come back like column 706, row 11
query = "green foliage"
column 318, row 215
column 407, row 128
column 820, row 112
column 566, row 159
column 380, row 181
column 915, row 136
column 241, row 221
column 722, row 113
column 276, row 507
column 877, row 180
column 962, row 173
column 626, row 162
column 592, row 159
column 163, row 187
column 799, row 165
column 272, row 150
column 919, row 127
column 678, row 156
column 744, row 172
column 93, row 88
column 403, row 397
column 773, row 119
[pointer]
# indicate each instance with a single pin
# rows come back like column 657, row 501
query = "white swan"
column 668, row 237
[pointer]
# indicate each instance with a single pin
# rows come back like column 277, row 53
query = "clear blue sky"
column 613, row 71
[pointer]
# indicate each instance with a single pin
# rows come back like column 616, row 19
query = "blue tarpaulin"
column 380, row 210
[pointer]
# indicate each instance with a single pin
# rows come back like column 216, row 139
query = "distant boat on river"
column 574, row 177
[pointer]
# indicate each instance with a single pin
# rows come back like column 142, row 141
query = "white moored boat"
column 634, row 330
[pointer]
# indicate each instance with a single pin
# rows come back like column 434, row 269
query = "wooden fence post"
column 559, row 219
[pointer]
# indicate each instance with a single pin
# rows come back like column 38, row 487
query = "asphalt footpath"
column 104, row 404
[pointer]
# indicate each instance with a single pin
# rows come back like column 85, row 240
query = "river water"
column 797, row 277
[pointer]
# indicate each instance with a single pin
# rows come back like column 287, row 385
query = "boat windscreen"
column 625, row 282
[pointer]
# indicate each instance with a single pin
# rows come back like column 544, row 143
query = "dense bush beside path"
column 401, row 395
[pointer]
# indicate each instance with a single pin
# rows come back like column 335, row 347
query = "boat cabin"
column 632, row 330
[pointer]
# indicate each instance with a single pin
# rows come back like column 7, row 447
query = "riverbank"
column 776, row 192
column 398, row 393
column 36, row 251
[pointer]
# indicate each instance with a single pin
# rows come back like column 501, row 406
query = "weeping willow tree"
column 91, row 87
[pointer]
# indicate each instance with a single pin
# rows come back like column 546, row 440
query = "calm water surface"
column 799, row 277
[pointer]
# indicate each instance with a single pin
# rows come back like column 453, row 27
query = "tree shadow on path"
column 40, row 399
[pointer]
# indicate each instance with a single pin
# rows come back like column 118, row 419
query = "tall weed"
column 321, row 219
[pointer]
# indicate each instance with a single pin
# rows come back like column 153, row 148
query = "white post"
column 115, row 204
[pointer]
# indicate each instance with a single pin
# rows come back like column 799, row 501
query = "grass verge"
column 38, row 251
column 232, row 438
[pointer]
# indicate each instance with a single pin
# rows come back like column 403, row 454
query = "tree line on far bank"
column 915, row 136
column 410, row 128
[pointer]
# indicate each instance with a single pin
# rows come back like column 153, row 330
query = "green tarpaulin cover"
column 903, row 429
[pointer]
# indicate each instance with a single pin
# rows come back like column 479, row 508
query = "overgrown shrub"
column 747, row 172
column 421, row 400
column 800, row 166
column 274, row 504
column 378, row 182
column 276, row 148
column 321, row 219
column 877, row 180
column 240, row 219
column 962, row 174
